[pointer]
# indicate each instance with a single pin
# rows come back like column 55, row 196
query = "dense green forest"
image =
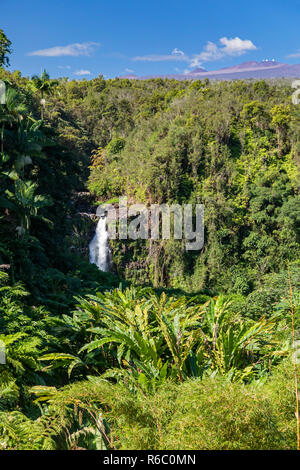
column 173, row 349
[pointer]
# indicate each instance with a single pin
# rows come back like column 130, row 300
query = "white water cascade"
column 99, row 247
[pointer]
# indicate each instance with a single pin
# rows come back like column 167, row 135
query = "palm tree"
column 44, row 84
column 28, row 143
column 26, row 203
column 12, row 112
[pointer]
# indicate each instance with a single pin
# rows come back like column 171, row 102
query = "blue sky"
column 82, row 39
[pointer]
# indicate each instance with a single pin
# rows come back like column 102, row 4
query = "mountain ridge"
column 250, row 69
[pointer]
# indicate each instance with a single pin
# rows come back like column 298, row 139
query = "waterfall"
column 99, row 247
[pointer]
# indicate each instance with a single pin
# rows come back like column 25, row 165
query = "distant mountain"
column 198, row 70
column 254, row 65
column 131, row 75
column 251, row 69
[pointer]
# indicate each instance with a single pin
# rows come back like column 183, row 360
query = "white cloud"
column 129, row 70
column 231, row 47
column 77, row 49
column 82, row 72
column 236, row 46
column 177, row 52
column 211, row 51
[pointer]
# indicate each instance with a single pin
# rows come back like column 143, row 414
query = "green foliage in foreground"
column 207, row 414
column 149, row 372
column 143, row 339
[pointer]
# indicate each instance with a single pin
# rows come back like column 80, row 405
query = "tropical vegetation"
column 173, row 349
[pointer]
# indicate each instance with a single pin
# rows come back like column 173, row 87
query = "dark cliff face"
column 83, row 223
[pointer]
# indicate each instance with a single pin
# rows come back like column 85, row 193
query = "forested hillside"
column 173, row 349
